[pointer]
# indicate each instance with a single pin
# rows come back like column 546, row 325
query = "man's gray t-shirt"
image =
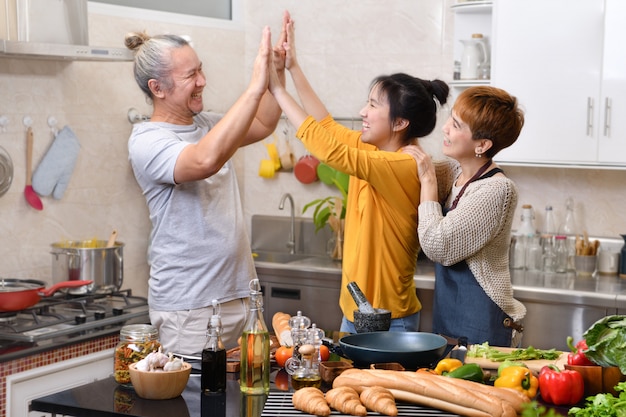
column 199, row 248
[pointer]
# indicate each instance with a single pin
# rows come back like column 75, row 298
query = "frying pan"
column 18, row 294
column 412, row 350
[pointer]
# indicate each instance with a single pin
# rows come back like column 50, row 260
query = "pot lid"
column 14, row 285
column 6, row 171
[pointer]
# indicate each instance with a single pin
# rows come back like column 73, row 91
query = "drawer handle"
column 285, row 293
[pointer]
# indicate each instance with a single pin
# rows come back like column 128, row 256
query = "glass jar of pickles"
column 136, row 341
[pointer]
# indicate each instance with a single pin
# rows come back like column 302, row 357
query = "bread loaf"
column 310, row 400
column 282, row 330
column 449, row 394
column 346, row 400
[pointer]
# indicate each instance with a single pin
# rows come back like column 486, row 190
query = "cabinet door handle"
column 607, row 117
column 288, row 293
column 589, row 116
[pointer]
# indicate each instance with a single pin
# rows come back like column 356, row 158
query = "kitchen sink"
column 279, row 257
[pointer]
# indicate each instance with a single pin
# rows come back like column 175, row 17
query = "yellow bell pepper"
column 519, row 378
column 447, row 365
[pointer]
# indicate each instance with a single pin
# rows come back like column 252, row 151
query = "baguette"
column 445, row 390
column 310, row 400
column 282, row 330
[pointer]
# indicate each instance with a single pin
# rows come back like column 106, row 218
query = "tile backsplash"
column 93, row 98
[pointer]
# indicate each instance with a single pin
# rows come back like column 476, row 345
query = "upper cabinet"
column 564, row 62
column 471, row 19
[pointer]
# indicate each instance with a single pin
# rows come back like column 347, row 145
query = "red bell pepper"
column 577, row 355
column 560, row 387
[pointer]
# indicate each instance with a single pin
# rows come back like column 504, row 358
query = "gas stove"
column 64, row 319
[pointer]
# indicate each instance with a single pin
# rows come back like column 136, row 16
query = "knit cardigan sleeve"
column 482, row 219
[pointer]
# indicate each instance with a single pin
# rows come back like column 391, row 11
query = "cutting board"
column 533, row 365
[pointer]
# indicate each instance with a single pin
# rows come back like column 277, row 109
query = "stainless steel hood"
column 55, row 51
column 51, row 29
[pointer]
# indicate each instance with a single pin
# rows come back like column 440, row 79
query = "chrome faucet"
column 291, row 244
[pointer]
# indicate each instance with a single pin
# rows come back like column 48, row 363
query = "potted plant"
column 331, row 211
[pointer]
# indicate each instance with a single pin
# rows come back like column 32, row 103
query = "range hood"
column 55, row 51
column 51, row 29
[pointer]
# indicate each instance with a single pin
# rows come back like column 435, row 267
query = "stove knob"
column 99, row 315
column 118, row 311
column 80, row 319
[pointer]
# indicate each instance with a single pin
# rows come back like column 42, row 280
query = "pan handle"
column 65, row 284
column 336, row 349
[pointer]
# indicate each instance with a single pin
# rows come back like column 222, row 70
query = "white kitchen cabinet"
column 23, row 387
column 469, row 18
column 562, row 60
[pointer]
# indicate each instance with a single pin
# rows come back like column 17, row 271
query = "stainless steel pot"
column 73, row 260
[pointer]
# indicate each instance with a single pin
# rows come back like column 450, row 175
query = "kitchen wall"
column 341, row 44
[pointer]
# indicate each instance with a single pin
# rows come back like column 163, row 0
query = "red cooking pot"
column 18, row 294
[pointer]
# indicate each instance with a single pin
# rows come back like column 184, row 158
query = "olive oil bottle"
column 254, row 377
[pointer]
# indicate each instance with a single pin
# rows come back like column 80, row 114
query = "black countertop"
column 106, row 398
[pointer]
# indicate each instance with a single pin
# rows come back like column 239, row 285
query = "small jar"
column 136, row 342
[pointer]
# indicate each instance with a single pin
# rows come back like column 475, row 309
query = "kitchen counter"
column 601, row 290
column 105, row 398
column 558, row 305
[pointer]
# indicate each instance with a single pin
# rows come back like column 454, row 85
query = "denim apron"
column 462, row 308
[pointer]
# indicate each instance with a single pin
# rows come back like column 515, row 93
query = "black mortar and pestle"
column 367, row 318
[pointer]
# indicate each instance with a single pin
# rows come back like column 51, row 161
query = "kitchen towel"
column 55, row 169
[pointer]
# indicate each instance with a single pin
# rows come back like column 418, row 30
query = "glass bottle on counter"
column 254, row 376
column 562, row 253
column 549, row 253
column 569, row 229
column 136, row 342
column 523, row 238
column 534, row 254
column 213, row 376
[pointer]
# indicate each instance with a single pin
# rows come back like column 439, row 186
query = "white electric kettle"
column 474, row 57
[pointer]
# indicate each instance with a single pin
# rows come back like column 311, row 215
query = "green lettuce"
column 606, row 341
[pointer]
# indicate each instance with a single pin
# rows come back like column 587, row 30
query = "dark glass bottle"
column 213, row 378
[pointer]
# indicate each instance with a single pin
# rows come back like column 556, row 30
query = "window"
column 219, row 9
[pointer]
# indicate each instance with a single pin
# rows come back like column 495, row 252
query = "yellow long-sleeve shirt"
column 380, row 238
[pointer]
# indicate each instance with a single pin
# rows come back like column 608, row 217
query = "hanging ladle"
column 30, row 194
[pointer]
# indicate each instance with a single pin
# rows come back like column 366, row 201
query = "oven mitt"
column 53, row 173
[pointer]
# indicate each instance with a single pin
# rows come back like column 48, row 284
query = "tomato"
column 282, row 354
column 324, row 353
column 282, row 380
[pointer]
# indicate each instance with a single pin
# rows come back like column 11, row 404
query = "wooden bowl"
column 159, row 385
column 599, row 379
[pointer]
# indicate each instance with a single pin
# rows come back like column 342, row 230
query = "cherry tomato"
column 324, row 353
column 282, row 380
column 282, row 354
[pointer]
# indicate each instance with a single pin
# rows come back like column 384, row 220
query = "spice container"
column 136, row 342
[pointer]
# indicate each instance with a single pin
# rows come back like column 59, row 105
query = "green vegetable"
column 606, row 341
column 508, row 363
column 469, row 371
column 603, row 405
column 483, row 350
column 533, row 409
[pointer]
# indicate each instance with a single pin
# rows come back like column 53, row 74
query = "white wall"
column 342, row 44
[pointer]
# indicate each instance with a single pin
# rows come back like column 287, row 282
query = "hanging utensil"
column 6, row 171
column 30, row 194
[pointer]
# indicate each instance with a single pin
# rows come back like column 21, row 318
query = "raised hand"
column 259, row 81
